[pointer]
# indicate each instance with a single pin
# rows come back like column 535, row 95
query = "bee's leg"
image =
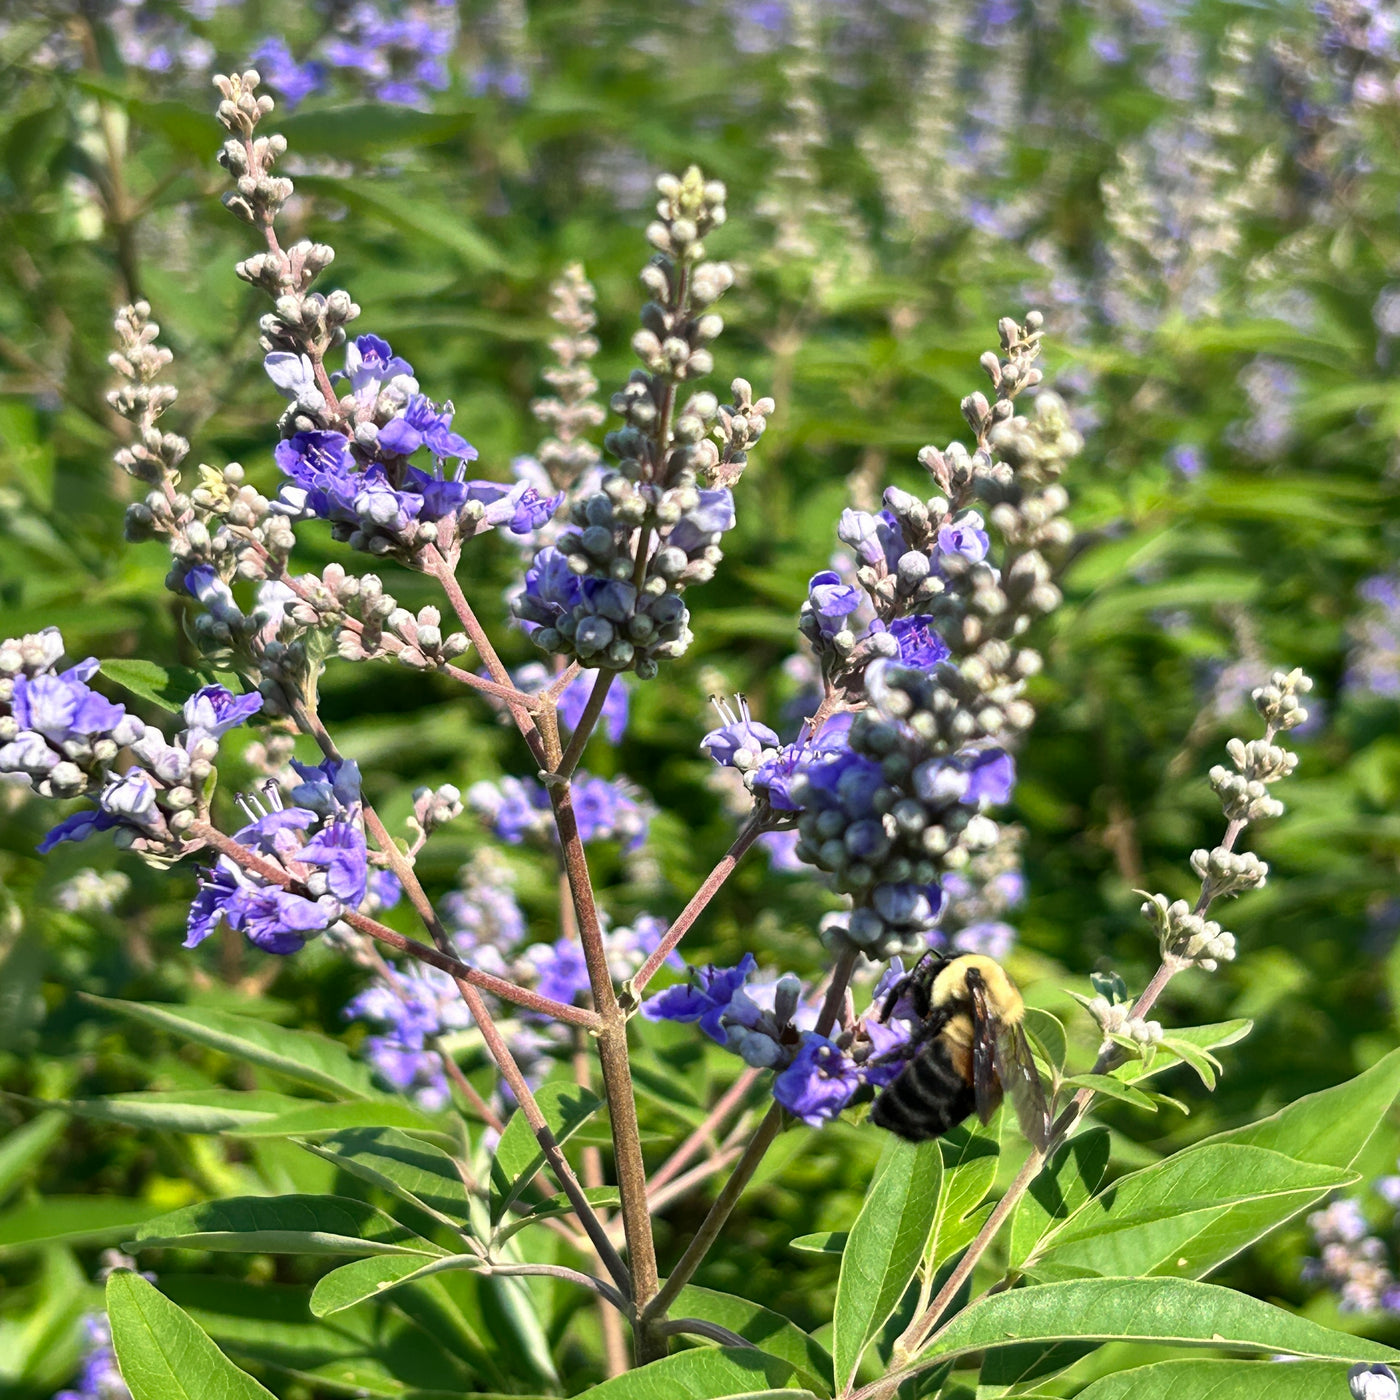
column 917, row 977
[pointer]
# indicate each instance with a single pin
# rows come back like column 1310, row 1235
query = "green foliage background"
column 448, row 227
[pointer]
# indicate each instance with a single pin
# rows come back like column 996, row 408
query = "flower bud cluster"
column 1278, row 701
column 1223, row 872
column 66, row 739
column 435, row 807
column 1115, row 1019
column 152, row 456
column 932, row 560
column 1244, row 794
column 889, row 815
column 1187, row 936
column 607, row 591
column 571, row 412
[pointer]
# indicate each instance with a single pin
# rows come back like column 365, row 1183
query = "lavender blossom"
column 819, row 1083
column 98, row 1375
column 704, row 999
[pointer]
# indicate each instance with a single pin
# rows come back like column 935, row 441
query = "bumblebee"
column 968, row 1048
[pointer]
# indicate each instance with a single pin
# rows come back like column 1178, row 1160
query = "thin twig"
column 711, row 1331
column 599, row 1286
column 751, row 831
column 701, row 1137
column 597, row 698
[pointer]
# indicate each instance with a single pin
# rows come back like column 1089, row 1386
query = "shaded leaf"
column 284, row 1225
column 519, row 1158
column 770, row 1332
column 1224, row 1380
column 367, row 1278
column 415, row 1171
column 823, row 1242
column 70, row 1220
column 1068, row 1180
column 708, row 1373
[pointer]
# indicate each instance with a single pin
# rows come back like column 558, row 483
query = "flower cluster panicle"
column 518, row 810
column 92, row 891
column 609, row 591
column 923, row 669
column 1186, row 936
column 1373, row 664
column 770, row 1023
column 351, row 441
column 312, row 864
column 1350, row 1259
column 152, row 456
column 66, row 740
column 570, row 412
column 99, row 1377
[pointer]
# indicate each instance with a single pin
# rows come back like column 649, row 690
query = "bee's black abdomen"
column 926, row 1098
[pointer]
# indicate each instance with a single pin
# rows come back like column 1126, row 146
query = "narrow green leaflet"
column 708, row 1373
column 1330, row 1127
column 1211, row 1037
column 770, row 1332
column 306, row 1117
column 23, row 1149
column 518, row 1158
column 304, row 1056
column 185, row 1110
column 969, row 1158
column 416, row 1172
column 1065, row 1183
column 1264, row 1379
column 367, row 1278
column 823, row 1242
column 285, row 1225
column 1112, row 1088
column 163, row 1355
column 1047, row 1033
column 885, row 1247
column 1185, row 1215
column 604, row 1196
column 1174, row 1311
column 70, row 1220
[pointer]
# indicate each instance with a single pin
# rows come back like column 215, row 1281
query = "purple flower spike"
column 832, row 599
column 340, row 848
column 740, row 734
column 966, row 538
column 819, row 1083
column 919, row 644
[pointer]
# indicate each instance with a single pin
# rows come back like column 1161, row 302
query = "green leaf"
column 519, row 1158
column 1187, row 1214
column 185, row 1110
column 708, row 1373
column 349, row 131
column 284, row 1225
column 1065, row 1183
column 303, row 1056
column 1176, row 1312
column 367, row 1278
column 163, row 1355
column 416, row 1172
column 604, row 1196
column 1202, row 1061
column 970, row 1160
column 23, row 1148
column 1224, row 1380
column 770, row 1332
column 306, row 1118
column 1210, row 1037
column 1112, row 1088
column 70, row 1220
column 447, row 227
column 823, row 1242
column 1047, row 1034
column 1331, row 1127
column 166, row 686
column 886, row 1246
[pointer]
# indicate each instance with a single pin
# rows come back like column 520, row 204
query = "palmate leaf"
column 163, row 1355
column 285, row 1225
column 885, row 1247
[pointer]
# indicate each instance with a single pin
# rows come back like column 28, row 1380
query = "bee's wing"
column 1020, row 1078
column 986, row 1081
